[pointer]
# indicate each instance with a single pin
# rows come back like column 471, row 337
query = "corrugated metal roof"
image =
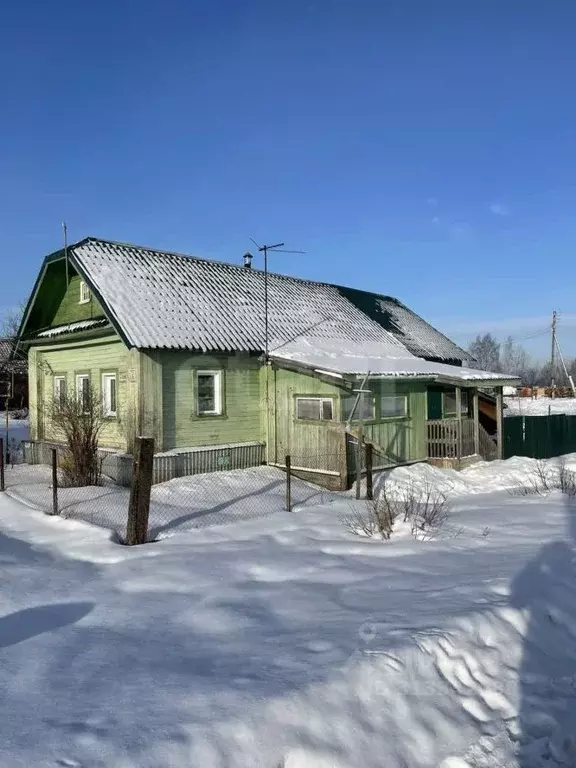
column 80, row 325
column 417, row 335
column 166, row 300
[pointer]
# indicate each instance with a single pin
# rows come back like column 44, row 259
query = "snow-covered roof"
column 18, row 364
column 81, row 325
column 166, row 300
column 158, row 299
column 417, row 335
column 330, row 356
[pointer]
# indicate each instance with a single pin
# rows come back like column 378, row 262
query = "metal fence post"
column 2, row 484
column 369, row 463
column 54, row 481
column 139, row 506
column 288, row 483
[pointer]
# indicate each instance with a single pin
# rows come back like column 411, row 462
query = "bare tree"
column 486, row 350
column 11, row 321
column 78, row 417
column 514, row 358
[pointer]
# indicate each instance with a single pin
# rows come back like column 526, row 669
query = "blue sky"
column 421, row 149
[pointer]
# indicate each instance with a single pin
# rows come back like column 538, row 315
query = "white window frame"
column 57, row 384
column 79, row 388
column 404, row 398
column 217, row 376
column 107, row 394
column 320, row 400
column 85, row 295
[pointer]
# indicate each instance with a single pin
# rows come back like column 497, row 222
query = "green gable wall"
column 58, row 304
column 95, row 358
column 71, row 311
column 240, row 422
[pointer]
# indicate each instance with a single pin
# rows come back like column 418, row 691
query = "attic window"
column 84, row 293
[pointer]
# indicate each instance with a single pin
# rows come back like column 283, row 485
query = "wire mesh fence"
column 186, row 503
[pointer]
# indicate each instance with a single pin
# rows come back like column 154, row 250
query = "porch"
column 452, row 440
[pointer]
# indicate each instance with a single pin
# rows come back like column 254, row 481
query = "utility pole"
column 553, row 353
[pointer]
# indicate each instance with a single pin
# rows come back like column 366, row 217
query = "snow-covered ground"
column 541, row 406
column 182, row 504
column 289, row 641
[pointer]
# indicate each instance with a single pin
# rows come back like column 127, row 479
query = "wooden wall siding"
column 241, row 420
column 319, row 444
column 70, row 311
column 402, row 439
column 95, row 358
column 316, row 445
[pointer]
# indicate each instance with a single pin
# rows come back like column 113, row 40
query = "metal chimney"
column 248, row 260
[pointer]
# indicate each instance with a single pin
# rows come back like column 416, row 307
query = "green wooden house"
column 182, row 349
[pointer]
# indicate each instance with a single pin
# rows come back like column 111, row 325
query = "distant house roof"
column 19, row 365
column 158, row 299
column 330, row 357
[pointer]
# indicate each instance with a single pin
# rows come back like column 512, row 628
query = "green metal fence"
column 540, row 437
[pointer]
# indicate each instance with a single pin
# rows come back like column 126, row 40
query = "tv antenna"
column 276, row 248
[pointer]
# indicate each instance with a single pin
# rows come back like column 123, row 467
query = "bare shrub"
column 79, row 418
column 375, row 518
column 545, row 478
column 424, row 508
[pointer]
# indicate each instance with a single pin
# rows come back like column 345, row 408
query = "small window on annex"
column 363, row 410
column 209, row 393
column 449, row 407
column 315, row 408
column 393, row 406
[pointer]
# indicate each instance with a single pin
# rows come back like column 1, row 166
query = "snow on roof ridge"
column 218, row 262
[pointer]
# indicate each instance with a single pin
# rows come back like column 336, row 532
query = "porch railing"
column 450, row 438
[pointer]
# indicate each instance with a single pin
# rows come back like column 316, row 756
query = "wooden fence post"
column 369, row 463
column 54, row 481
column 288, row 484
column 2, row 485
column 139, row 506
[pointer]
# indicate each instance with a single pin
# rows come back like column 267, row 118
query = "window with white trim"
column 109, row 394
column 393, row 406
column 83, row 391
column 60, row 390
column 364, row 410
column 84, row 293
column 315, row 408
column 209, row 393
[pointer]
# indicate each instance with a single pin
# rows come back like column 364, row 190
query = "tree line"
column 511, row 357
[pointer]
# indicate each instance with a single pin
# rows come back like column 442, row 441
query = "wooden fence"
column 450, row 438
